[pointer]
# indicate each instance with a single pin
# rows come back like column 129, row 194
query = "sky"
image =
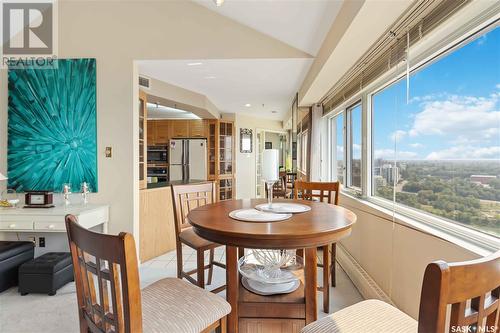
column 454, row 109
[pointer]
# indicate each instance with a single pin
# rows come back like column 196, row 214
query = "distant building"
column 390, row 173
column 379, row 181
column 482, row 179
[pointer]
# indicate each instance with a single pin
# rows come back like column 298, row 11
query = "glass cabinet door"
column 225, row 148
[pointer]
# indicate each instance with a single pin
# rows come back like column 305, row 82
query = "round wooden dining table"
column 323, row 224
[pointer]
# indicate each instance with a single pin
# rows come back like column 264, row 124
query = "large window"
column 337, row 148
column 354, row 153
column 439, row 152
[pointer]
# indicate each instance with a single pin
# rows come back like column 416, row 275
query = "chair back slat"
column 107, row 280
column 319, row 190
column 188, row 197
column 471, row 288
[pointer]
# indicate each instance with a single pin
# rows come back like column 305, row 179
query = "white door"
column 198, row 159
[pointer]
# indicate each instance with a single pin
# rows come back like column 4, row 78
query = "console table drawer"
column 50, row 226
column 16, row 225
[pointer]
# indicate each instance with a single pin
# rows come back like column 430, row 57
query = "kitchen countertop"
column 174, row 182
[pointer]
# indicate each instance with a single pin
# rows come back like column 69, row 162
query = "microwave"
column 157, row 154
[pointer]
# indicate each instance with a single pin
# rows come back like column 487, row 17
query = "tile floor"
column 57, row 314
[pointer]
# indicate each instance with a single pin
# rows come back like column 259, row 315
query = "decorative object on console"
column 270, row 171
column 85, row 192
column 9, row 198
column 66, row 191
column 38, row 199
column 52, row 126
column 246, row 140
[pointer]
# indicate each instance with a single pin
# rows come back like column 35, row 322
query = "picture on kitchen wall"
column 52, row 130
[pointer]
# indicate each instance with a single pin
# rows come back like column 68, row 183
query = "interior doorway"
column 269, row 139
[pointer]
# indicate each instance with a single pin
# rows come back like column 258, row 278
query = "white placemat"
column 254, row 215
column 283, row 207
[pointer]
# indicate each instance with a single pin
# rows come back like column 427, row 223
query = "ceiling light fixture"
column 195, row 64
column 248, row 105
column 218, row 3
column 210, row 77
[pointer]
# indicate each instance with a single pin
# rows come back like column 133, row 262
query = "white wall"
column 245, row 163
column 116, row 34
column 395, row 255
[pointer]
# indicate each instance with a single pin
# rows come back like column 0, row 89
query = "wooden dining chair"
column 324, row 192
column 291, row 177
column 471, row 289
column 185, row 198
column 108, row 264
column 279, row 188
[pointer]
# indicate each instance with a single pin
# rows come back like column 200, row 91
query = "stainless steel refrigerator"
column 188, row 159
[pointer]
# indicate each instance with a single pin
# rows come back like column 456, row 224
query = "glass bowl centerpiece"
column 270, row 266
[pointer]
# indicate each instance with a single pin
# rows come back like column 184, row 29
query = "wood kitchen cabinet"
column 197, row 129
column 221, row 157
column 212, row 149
column 220, row 135
column 151, row 133
column 143, row 128
column 179, row 128
column 162, row 131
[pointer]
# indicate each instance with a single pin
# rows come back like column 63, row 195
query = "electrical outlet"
column 41, row 241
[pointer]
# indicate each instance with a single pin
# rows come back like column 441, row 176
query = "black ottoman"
column 12, row 255
column 46, row 273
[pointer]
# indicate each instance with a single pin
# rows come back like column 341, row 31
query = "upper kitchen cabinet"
column 197, row 129
column 162, row 131
column 151, row 132
column 180, row 128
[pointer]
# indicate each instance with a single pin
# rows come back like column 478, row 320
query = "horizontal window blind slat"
column 388, row 52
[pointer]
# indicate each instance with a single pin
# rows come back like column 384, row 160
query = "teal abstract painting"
column 52, row 130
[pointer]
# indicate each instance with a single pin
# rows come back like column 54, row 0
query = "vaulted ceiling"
column 264, row 86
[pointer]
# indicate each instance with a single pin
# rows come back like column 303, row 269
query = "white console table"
column 52, row 219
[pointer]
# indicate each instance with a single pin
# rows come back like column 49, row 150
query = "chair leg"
column 200, row 268
column 223, row 325
column 332, row 268
column 179, row 260
column 326, row 276
column 300, row 252
column 211, row 266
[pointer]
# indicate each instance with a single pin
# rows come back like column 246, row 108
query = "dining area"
column 278, row 259
column 272, row 248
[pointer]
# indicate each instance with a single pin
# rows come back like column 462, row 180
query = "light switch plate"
column 108, row 152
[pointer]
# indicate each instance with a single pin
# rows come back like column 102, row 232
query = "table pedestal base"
column 286, row 313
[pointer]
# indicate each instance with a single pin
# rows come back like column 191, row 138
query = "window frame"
column 425, row 56
column 332, row 147
column 348, row 146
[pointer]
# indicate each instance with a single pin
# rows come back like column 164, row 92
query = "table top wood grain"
column 323, row 224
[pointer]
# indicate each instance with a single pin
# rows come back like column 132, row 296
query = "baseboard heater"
column 368, row 288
